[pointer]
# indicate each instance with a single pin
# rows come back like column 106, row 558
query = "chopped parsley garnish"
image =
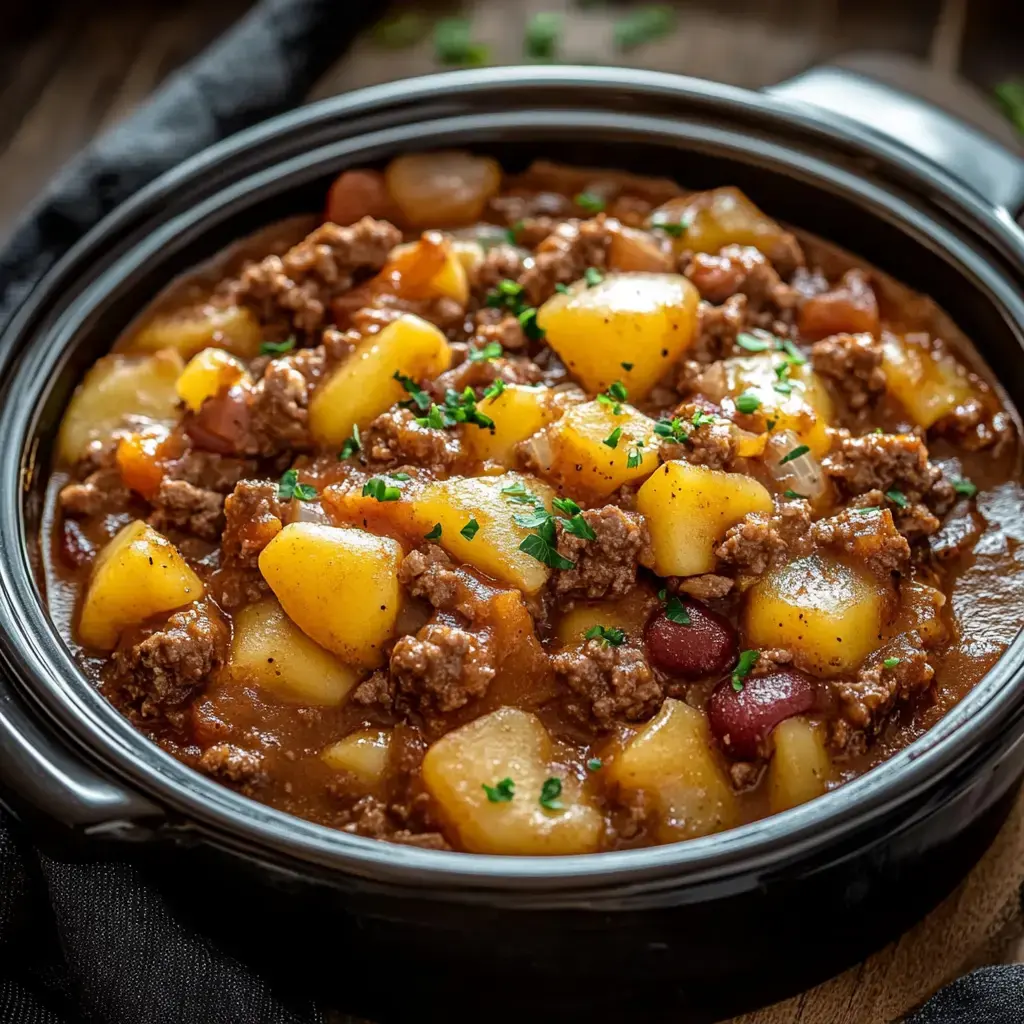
column 782, row 383
column 435, row 533
column 492, row 350
column 276, row 348
column 770, row 424
column 748, row 403
column 752, row 343
column 790, row 493
column 898, row 498
column 510, row 288
column 377, row 487
column 542, row 543
column 592, row 276
column 672, row 430
column 891, row 662
column 701, row 418
column 795, row 453
column 675, row 611
column 672, row 228
column 513, row 231
column 400, row 476
column 748, row 659
column 579, row 527
column 353, row 444
column 634, row 456
column 643, row 25
column 457, row 408
column 542, row 32
column 626, row 366
column 789, row 347
column 419, row 397
column 518, row 493
column 866, row 510
column 562, row 289
column 590, row 202
column 469, row 530
column 965, row 487
column 610, row 636
column 509, row 295
column 567, row 505
column 501, row 792
column 550, row 793
column 435, row 418
column 288, row 487
column 453, row 43
column 594, row 764
column 494, row 389
column 614, row 397
column 612, row 440
column 528, row 321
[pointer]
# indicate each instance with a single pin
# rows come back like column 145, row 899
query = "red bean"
column 703, row 648
column 742, row 720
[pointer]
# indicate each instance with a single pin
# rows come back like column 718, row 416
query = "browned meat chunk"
column 179, row 505
column 849, row 308
column 717, row 328
column 212, row 472
column 395, row 439
column 297, row 287
column 739, row 269
column 707, row 587
column 853, row 362
column 500, row 326
column 711, row 444
column 759, row 542
column 228, row 763
column 870, row 537
column 565, row 255
column 976, row 425
column 429, row 573
column 608, row 683
column 501, row 263
column 606, row 566
column 101, row 491
column 253, row 518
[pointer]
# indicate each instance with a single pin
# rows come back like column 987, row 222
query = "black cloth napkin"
column 98, row 942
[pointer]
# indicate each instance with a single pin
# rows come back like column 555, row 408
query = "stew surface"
column 550, row 513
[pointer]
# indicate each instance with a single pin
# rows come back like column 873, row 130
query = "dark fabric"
column 97, row 943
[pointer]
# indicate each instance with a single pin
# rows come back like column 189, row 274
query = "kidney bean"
column 706, row 646
column 742, row 720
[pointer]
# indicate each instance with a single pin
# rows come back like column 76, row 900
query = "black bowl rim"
column 232, row 818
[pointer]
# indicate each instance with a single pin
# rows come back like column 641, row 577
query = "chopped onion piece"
column 802, row 474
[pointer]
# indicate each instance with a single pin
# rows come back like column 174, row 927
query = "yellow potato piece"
column 828, row 612
column 518, row 412
column 189, row 331
column 629, row 614
column 494, row 548
column 208, row 373
column 688, row 510
column 363, row 753
column 644, row 320
column 363, row 386
column 139, row 574
column 423, row 282
column 448, row 188
column 573, row 450
column 269, row 650
column 117, row 390
column 338, row 585
column 807, row 409
column 507, row 744
column 927, row 386
column 670, row 759
column 800, row 767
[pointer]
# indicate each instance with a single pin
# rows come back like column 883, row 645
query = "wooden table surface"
column 69, row 70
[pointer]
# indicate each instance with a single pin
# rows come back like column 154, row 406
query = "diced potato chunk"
column 364, row 754
column 339, row 586
column 688, row 510
column 806, row 410
column 670, row 759
column 828, row 612
column 189, row 331
column 928, row 385
column 427, row 269
column 494, row 547
column 717, row 218
column 364, row 385
column 644, row 320
column 800, row 767
column 448, row 188
column 518, row 412
column 139, row 574
column 208, row 373
column 632, row 250
column 117, row 390
column 630, row 614
column 346, row 505
column 269, row 650
column 572, row 449
column 507, row 744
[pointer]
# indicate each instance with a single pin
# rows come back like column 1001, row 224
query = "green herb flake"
column 435, row 533
column 528, row 321
column 675, row 611
column 353, row 444
column 592, row 276
column 634, row 456
column 866, row 510
column 614, row 397
column 377, row 487
column 748, row 659
column 453, row 43
column 590, row 202
column 626, row 366
column 288, row 487
column 494, row 389
column 672, row 228
column 518, row 493
column 612, row 440
column 794, row 495
column 276, row 348
column 965, row 487
column 550, row 792
column 794, row 353
column 562, row 289
column 400, row 476
column 643, row 25
column 419, row 397
column 492, row 350
column 898, row 498
column 567, row 505
column 748, row 403
column 891, row 662
column 701, row 418
column 770, row 425
column 672, row 430
column 537, row 546
column 541, row 39
column 752, row 343
column 1011, row 98
column 610, row 636
column 594, row 764
column 795, row 453
column 470, row 529
column 501, row 792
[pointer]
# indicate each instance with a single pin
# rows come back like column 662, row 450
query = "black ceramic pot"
column 692, row 931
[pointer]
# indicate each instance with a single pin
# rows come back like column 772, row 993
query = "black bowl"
column 694, row 930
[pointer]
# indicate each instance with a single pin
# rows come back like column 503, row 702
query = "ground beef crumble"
column 760, row 542
column 853, row 362
column 179, row 505
column 605, row 567
column 739, row 269
column 870, row 537
column 564, row 256
column 395, row 439
column 254, row 516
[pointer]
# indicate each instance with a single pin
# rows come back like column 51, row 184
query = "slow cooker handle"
column 980, row 162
